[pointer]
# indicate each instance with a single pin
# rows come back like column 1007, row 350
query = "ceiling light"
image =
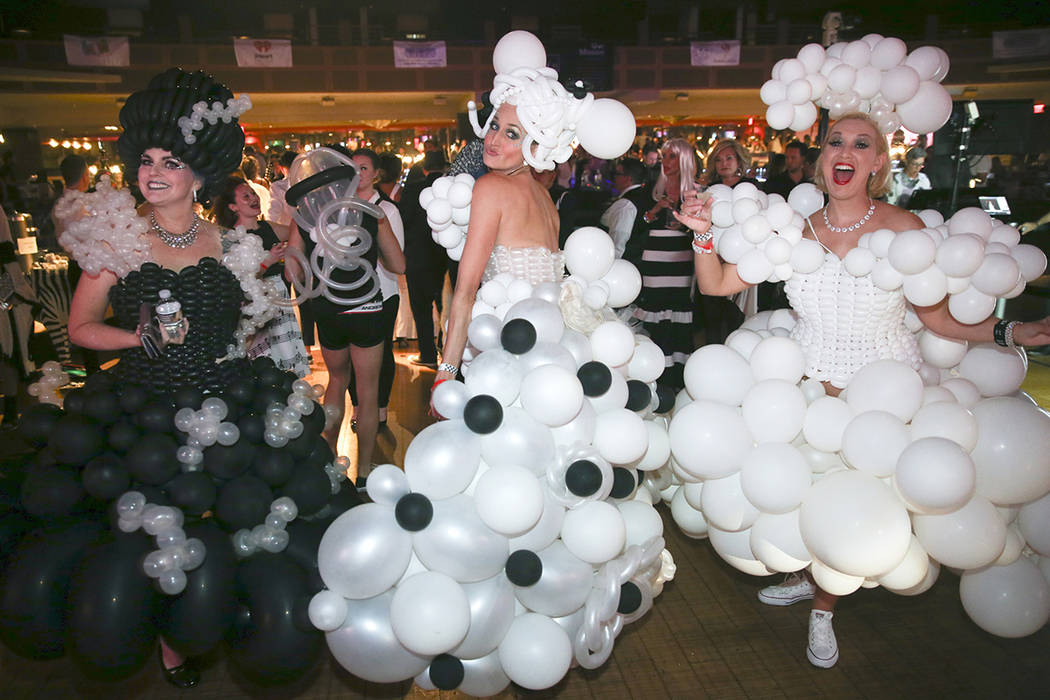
column 681, row 97
column 110, row 127
column 328, row 101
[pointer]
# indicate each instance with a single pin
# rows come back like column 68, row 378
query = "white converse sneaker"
column 823, row 650
column 794, row 589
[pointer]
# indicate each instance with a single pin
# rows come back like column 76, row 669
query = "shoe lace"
column 793, row 579
column 821, row 632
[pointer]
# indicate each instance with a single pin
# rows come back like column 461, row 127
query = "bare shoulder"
column 492, row 183
column 897, row 219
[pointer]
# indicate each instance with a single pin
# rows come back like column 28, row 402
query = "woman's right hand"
column 442, row 376
column 696, row 215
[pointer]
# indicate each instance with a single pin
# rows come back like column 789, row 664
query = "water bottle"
column 169, row 312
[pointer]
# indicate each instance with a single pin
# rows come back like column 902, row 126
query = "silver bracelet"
column 1009, row 334
column 448, row 367
column 703, row 237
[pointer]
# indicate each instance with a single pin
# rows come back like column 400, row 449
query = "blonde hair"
column 687, row 165
column 743, row 157
column 880, row 182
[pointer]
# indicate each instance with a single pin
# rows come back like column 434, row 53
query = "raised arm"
column 713, row 275
column 481, row 237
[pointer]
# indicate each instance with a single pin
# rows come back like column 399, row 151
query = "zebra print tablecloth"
column 50, row 280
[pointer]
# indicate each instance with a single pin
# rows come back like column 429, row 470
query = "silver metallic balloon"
column 459, row 544
column 364, row 552
column 366, row 646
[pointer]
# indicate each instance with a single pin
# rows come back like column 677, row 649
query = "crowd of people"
column 192, row 203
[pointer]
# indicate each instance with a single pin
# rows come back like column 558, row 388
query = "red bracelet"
column 263, row 265
column 436, row 382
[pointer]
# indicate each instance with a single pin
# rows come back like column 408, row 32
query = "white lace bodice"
column 845, row 322
column 534, row 265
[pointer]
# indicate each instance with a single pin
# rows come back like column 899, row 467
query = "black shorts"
column 337, row 330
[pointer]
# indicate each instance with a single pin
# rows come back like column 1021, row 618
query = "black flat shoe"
column 184, row 676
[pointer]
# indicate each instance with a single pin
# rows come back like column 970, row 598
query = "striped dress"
column 665, row 304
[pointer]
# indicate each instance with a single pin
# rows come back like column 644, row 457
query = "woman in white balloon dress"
column 846, row 321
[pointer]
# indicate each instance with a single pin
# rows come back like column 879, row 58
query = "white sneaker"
column 823, row 650
column 794, row 589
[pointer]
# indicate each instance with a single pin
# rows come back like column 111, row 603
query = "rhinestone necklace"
column 854, row 227
column 176, row 240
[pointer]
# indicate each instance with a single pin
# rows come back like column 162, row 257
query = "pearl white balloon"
column 1012, row 454
column 925, row 60
column 442, row 459
column 775, row 477
column 941, row 352
column 826, row 420
column 925, row 288
column 642, row 522
column 545, row 317
column 772, row 91
column 735, row 548
column 483, row 331
column 387, row 484
column 807, row 256
column 363, row 552
column 327, row 611
column 928, row 110
column 811, row 56
column 518, row 49
column 620, row 436
column 1033, row 519
column 855, row 524
column 1008, row 601
column 366, row 645
column 496, row 373
column 994, row 370
column 780, row 114
column 754, row 267
column 888, row 53
column 971, row 306
column 718, row 373
column 625, row 282
column 589, row 253
column 547, row 528
column 911, row 571
column 430, row 613
column 970, row 537
column 563, row 586
column 458, row 543
column 833, row 581
column 551, row 394
column 867, row 82
column 886, row 385
column 997, row 275
column 900, row 84
column 873, row 441
column 776, row 541
column 536, row 652
column 912, row 252
column 935, row 475
column 1030, row 260
column 778, row 358
column 612, row 343
column 774, row 410
column 859, row 262
column 709, row 440
column 725, row 506
column 594, row 531
column 509, row 499
column 647, row 362
column 946, row 419
column 686, row 516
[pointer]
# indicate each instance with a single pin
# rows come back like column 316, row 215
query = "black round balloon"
column 152, row 459
column 583, row 478
column 524, row 567
column 105, row 477
column 243, row 502
column 154, row 494
column 630, row 598
column 187, row 397
column 274, row 377
column 665, row 396
column 77, row 439
column 33, row 609
column 272, row 641
column 266, row 395
column 73, row 401
column 518, row 336
column 273, row 465
column 122, row 435
column 638, row 395
column 623, row 483
column 113, row 608
column 37, row 423
column 51, row 492
column 241, row 391
column 228, row 461
column 596, row 378
column 194, row 492
column 320, row 455
column 156, row 416
column 103, row 407
column 99, row 382
column 261, row 363
column 414, row 511
column 313, row 423
column 132, row 398
column 301, row 447
column 197, row 619
column 233, row 409
column 483, row 414
column 310, row 488
column 253, row 427
column 446, row 672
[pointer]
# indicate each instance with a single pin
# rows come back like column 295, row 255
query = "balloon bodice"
column 845, row 322
column 534, row 265
column 211, row 298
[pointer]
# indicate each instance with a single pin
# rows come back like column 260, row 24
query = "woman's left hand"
column 1033, row 332
column 696, row 215
column 276, row 253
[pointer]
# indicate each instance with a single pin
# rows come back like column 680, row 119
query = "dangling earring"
column 194, row 195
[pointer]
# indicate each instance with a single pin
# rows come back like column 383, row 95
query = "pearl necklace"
column 176, row 240
column 854, row 227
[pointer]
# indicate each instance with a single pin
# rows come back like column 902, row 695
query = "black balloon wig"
column 150, row 120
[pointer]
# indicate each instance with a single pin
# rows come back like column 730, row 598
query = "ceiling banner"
column 263, row 53
column 714, row 53
column 419, row 54
column 97, row 50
